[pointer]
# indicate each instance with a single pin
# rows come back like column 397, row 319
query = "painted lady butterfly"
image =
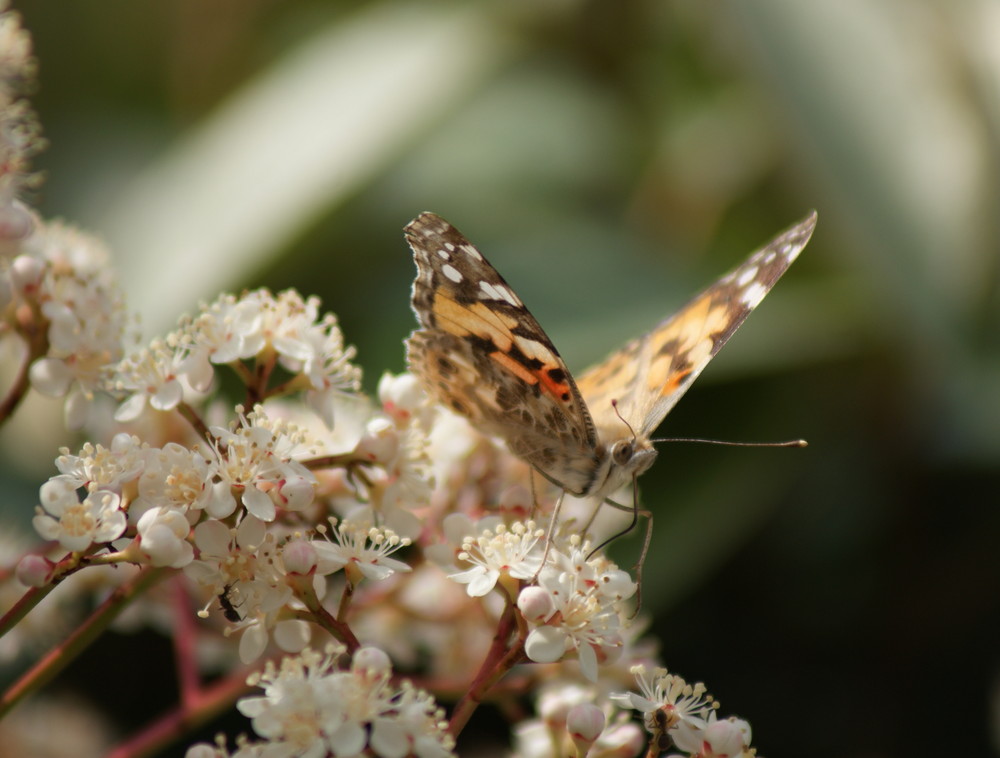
column 480, row 352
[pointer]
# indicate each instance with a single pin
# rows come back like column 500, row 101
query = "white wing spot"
column 499, row 292
column 747, row 276
column 444, row 253
column 768, row 257
column 451, row 272
column 449, row 246
column 753, row 294
column 472, row 252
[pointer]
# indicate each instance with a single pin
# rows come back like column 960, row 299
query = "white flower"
column 728, row 738
column 85, row 311
column 148, row 376
column 176, row 477
column 311, row 708
column 456, row 527
column 362, row 547
column 255, row 461
column 75, row 524
column 667, row 701
column 244, row 563
column 98, row 467
column 504, row 552
column 402, row 397
column 163, row 534
column 328, row 367
column 225, row 331
column 587, row 597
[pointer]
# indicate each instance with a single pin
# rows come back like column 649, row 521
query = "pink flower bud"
column 536, row 604
column 34, row 571
column 26, row 273
column 585, row 722
column 300, row 557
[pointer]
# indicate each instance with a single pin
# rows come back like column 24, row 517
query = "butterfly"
column 481, row 353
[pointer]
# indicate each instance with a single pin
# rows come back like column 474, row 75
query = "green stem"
column 59, row 657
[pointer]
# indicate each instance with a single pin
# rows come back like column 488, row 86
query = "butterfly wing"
column 481, row 353
column 648, row 376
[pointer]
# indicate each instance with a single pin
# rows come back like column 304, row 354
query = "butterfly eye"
column 622, row 452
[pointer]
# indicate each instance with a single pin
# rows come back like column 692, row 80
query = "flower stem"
column 59, row 657
column 192, row 713
column 17, row 390
column 499, row 660
column 303, row 589
column 195, row 420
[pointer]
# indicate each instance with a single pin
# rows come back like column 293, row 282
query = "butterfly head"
column 625, row 460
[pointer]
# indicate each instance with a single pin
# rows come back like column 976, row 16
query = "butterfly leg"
column 549, row 532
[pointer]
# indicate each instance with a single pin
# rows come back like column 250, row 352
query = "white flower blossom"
column 244, row 563
column 362, row 547
column 149, row 376
column 667, row 701
column 85, row 311
column 587, row 596
column 225, row 331
column 514, row 551
column 254, row 460
column 99, row 467
column 77, row 524
column 725, row 738
column 179, row 478
column 311, row 708
column 163, row 537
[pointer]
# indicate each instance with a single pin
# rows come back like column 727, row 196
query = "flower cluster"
column 311, row 707
column 19, row 130
column 684, row 715
column 284, row 330
column 387, row 531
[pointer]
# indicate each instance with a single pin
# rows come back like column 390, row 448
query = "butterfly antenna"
column 729, row 443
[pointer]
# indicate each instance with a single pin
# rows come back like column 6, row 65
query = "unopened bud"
column 299, row 557
column 34, row 571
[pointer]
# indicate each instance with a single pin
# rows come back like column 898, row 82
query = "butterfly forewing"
column 481, row 353
column 649, row 375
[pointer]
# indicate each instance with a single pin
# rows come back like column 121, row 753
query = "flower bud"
column 585, row 722
column 372, row 661
column 297, row 492
column 380, row 442
column 34, row 571
column 299, row 556
column 536, row 604
column 401, row 396
column 26, row 273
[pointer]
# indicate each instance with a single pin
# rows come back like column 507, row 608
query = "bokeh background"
column 612, row 158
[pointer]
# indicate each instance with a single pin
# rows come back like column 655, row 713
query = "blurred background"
column 612, row 158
